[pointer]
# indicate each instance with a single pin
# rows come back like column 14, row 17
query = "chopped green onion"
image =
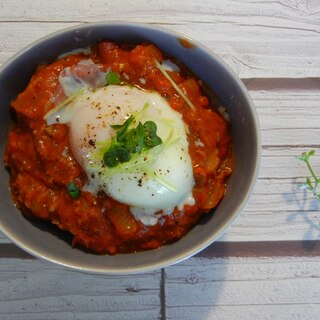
column 113, row 78
column 73, row 190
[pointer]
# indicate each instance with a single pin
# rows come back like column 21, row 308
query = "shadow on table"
column 307, row 210
column 193, row 287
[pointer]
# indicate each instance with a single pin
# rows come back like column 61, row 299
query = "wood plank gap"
column 282, row 84
column 163, row 295
column 44, row 21
column 292, row 146
column 303, row 248
column 159, row 23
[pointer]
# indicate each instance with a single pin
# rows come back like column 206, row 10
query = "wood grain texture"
column 35, row 289
column 198, row 288
column 242, row 288
column 251, row 36
column 273, row 45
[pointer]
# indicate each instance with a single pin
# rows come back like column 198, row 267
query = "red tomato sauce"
column 42, row 164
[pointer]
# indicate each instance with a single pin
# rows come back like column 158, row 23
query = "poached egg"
column 152, row 183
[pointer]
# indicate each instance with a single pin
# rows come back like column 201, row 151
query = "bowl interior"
column 44, row 241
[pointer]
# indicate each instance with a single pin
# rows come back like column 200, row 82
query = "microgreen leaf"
column 113, row 78
column 150, row 127
column 122, row 126
column 130, row 140
column 151, row 138
column 142, row 163
column 152, row 142
column 139, row 138
column 110, row 159
column 122, row 129
column 122, row 154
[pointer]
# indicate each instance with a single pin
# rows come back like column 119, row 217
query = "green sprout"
column 312, row 181
column 131, row 139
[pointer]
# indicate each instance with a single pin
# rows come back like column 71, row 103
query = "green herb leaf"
column 131, row 140
column 150, row 127
column 113, row 78
column 123, row 154
column 110, row 158
column 309, row 183
column 73, row 190
column 151, row 138
column 122, row 128
column 152, row 142
column 139, row 138
column 305, row 156
column 313, row 181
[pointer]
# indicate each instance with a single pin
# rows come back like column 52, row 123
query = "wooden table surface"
column 267, row 265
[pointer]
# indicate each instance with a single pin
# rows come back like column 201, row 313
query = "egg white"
column 153, row 183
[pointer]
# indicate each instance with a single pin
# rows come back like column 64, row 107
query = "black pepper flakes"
column 92, row 142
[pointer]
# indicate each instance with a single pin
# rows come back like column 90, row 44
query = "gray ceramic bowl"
column 41, row 242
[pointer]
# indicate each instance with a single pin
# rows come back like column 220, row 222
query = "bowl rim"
column 227, row 223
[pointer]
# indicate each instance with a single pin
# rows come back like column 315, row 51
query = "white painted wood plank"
column 262, row 39
column 243, row 288
column 15, row 36
column 261, row 312
column 276, row 215
column 172, row 11
column 288, row 116
column 266, row 39
column 35, row 289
